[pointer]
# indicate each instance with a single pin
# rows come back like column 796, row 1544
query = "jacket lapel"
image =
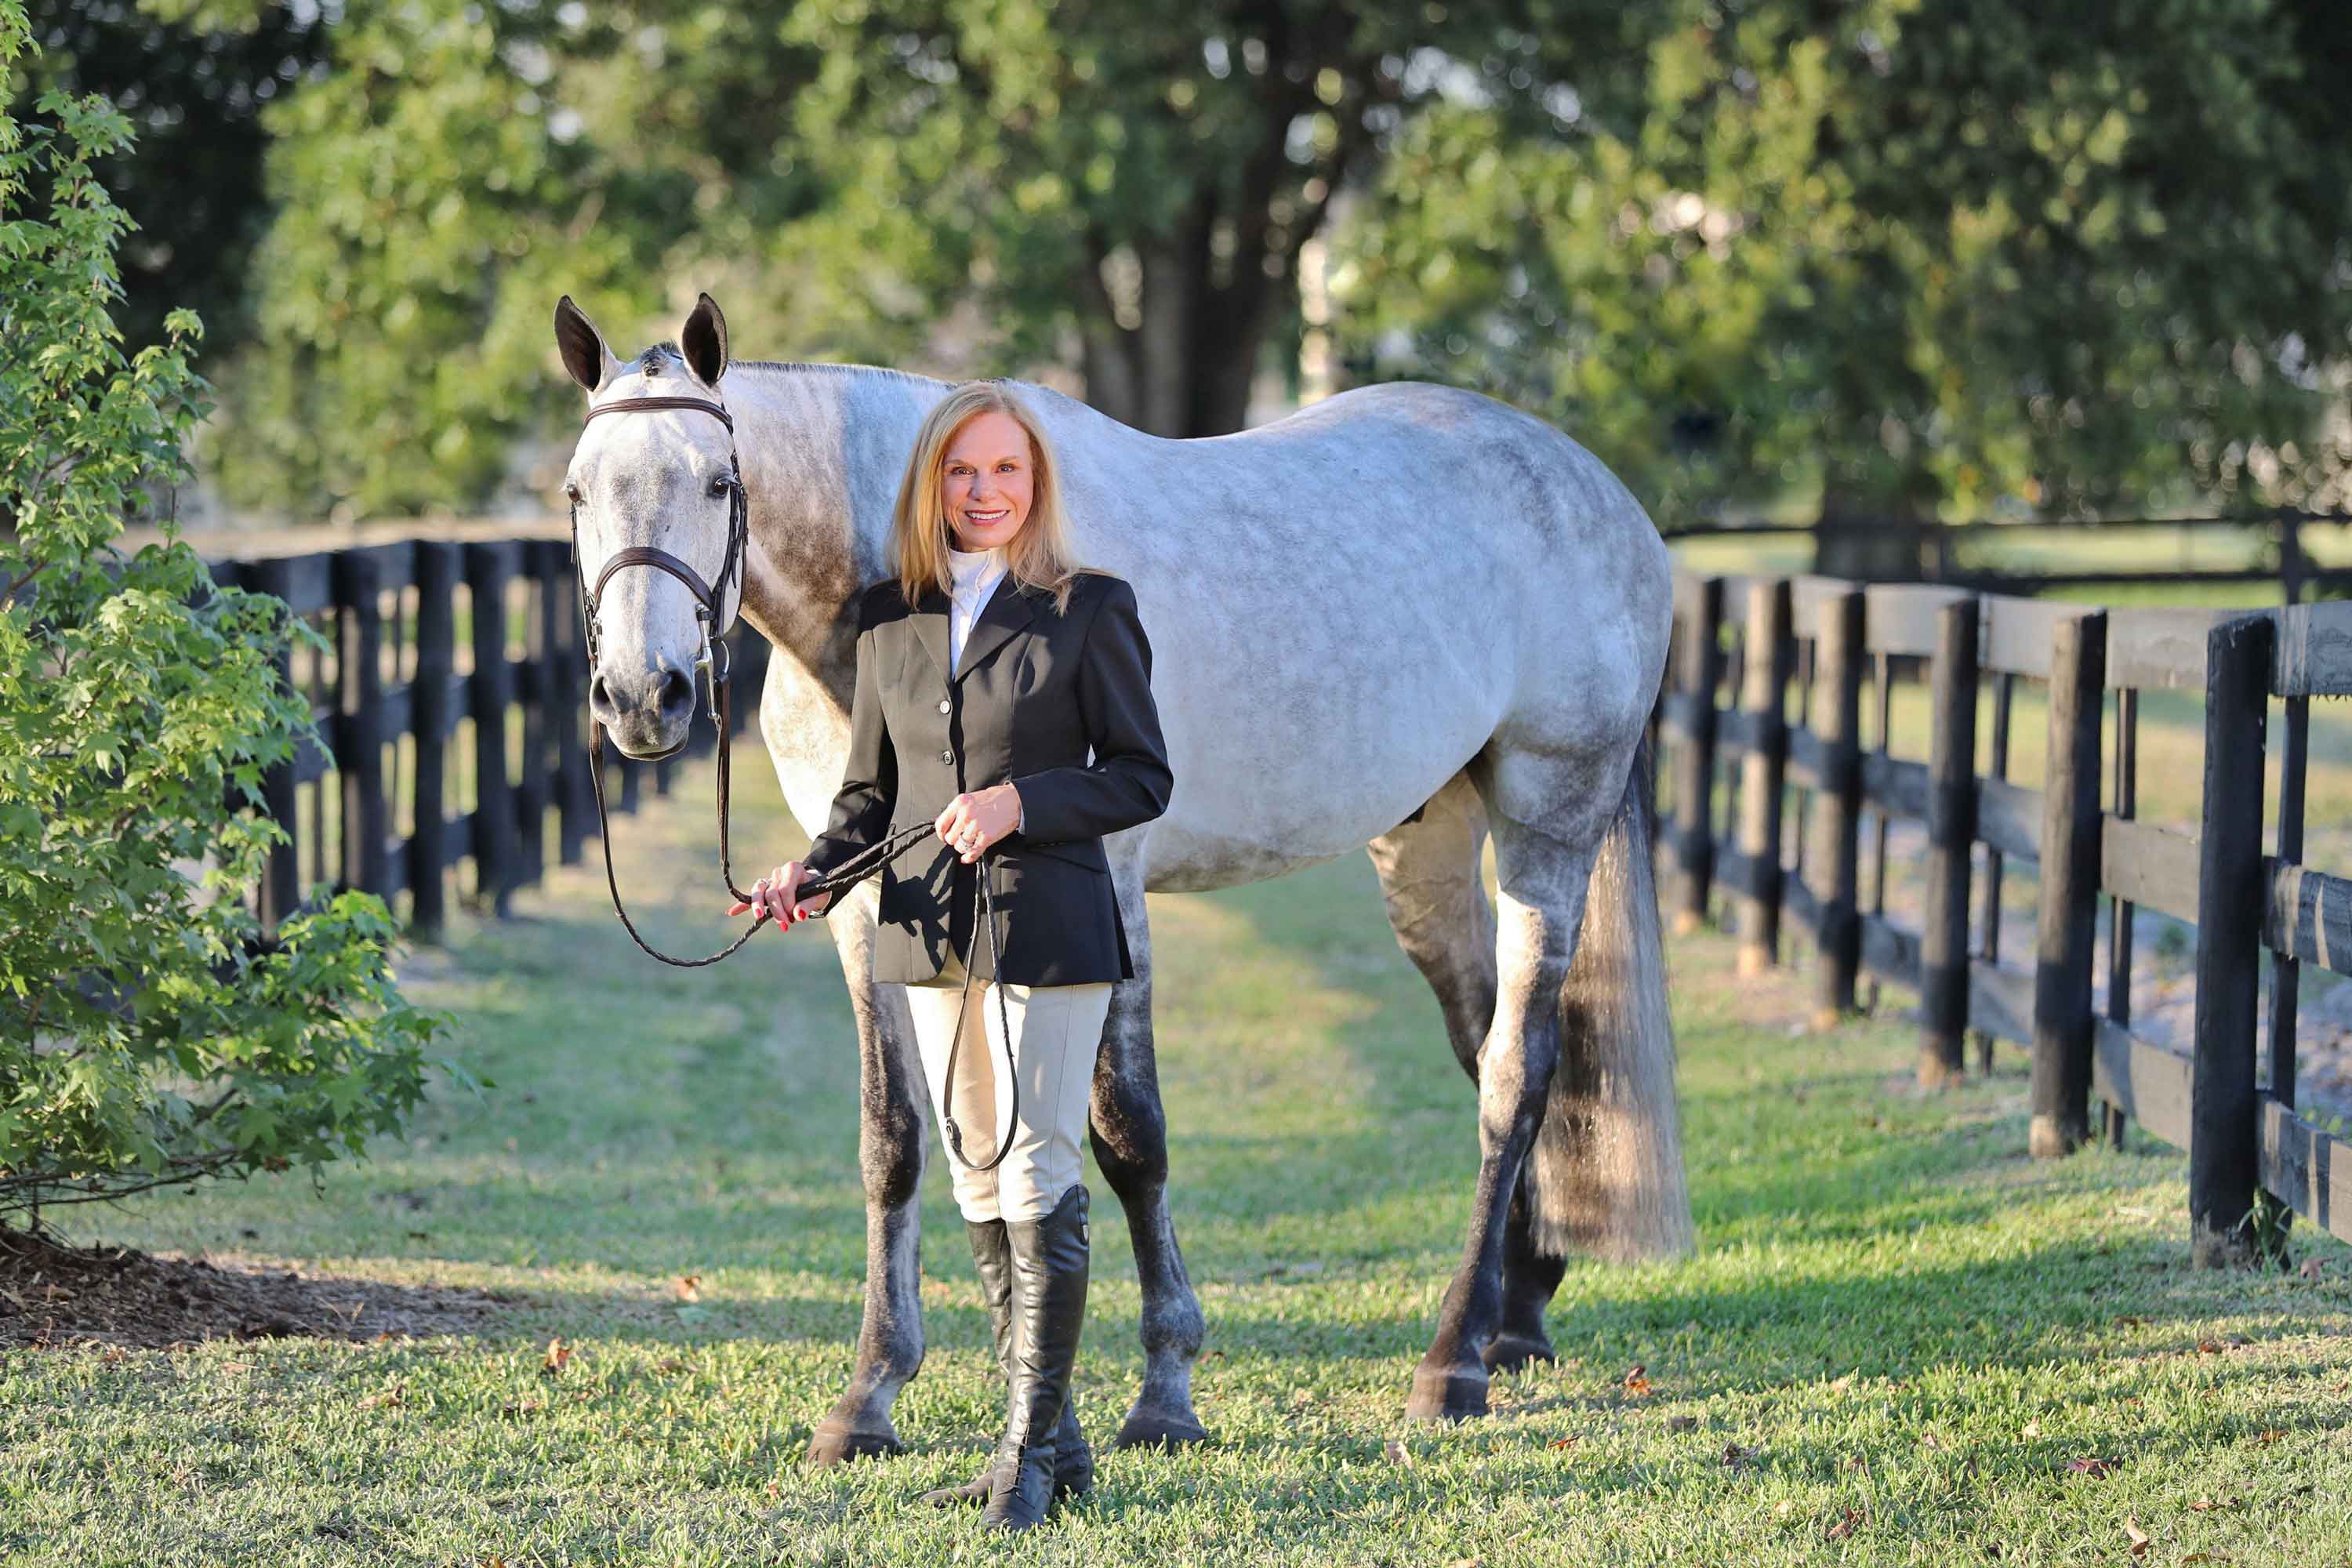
column 1008, row 610
column 1007, row 613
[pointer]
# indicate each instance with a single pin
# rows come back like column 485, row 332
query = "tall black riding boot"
column 1074, row 1469
column 1049, row 1308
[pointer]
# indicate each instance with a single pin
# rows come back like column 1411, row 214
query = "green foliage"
column 149, row 1033
column 1918, row 253
column 457, row 169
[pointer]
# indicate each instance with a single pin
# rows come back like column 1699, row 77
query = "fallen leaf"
column 2270, row 1434
column 2209, row 1347
column 2131, row 1322
column 2094, row 1467
column 669, row 1364
column 1929, row 1440
column 1844, row 1525
column 1738, row 1458
column 2031, row 1429
column 2205, row 1557
column 2137, row 1537
column 396, row 1395
column 1397, row 1453
column 1682, row 1423
column 1781, row 1509
column 1637, row 1382
column 1839, row 1385
column 558, row 1355
column 1561, row 1443
column 689, row 1288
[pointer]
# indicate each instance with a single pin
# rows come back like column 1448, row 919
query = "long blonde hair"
column 1040, row 556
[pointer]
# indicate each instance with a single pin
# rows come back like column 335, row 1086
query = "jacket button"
column 943, row 705
column 946, row 756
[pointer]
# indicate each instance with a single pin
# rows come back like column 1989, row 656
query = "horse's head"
column 658, row 522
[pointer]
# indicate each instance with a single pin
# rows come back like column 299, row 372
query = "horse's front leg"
column 890, row 1161
column 1130, row 1134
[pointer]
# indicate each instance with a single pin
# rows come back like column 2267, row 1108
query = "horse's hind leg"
column 1543, row 872
column 1435, row 892
column 890, row 1161
column 1130, row 1134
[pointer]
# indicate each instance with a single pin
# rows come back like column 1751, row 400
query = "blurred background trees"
column 1908, row 257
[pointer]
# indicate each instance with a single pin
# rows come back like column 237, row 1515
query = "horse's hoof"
column 1509, row 1352
column 834, row 1443
column 1152, row 1428
column 1447, row 1394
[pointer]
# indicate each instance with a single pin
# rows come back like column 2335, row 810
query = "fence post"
column 431, row 691
column 1951, row 830
column 282, row 883
column 488, row 567
column 1836, row 835
column 1771, row 652
column 359, row 703
column 2224, row 1109
column 534, row 789
column 565, row 687
column 1702, row 668
column 2069, row 912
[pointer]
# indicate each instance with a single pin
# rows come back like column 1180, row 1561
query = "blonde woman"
column 989, row 665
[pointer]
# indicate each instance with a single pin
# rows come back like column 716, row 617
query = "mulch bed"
column 55, row 1296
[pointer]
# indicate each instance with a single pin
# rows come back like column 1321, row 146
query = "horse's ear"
column 592, row 364
column 703, row 340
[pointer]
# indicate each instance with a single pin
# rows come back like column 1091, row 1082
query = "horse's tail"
column 1607, row 1173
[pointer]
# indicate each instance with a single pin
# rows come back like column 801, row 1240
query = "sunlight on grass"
column 1899, row 1342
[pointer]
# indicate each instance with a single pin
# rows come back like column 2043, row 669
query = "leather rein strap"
column 709, row 604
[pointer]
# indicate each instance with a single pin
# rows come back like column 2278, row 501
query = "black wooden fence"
column 1771, row 773
column 452, row 717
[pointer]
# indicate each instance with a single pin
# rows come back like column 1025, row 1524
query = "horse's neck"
column 812, row 440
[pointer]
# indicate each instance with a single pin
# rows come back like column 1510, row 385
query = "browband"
column 700, row 404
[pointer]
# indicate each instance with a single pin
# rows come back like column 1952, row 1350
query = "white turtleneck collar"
column 968, row 566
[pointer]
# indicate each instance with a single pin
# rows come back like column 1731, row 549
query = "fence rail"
column 2278, row 549
column 1770, row 793
column 451, row 712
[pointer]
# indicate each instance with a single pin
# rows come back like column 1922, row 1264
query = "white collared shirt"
column 976, row 573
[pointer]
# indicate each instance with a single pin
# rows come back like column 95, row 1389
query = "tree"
column 457, row 169
column 149, row 1032
column 194, row 86
column 1916, row 254
column 1119, row 190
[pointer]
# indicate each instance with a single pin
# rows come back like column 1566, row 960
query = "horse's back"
column 1348, row 604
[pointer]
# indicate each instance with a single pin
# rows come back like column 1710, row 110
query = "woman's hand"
column 972, row 822
column 777, row 894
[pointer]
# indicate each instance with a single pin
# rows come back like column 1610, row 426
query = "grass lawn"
column 1900, row 1341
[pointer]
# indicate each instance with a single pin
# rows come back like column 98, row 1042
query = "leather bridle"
column 714, row 666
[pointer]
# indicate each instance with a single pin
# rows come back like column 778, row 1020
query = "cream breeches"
column 1056, row 1032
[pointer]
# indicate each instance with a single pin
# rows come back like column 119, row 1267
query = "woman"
column 989, row 664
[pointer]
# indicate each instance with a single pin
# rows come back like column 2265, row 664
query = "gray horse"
column 1401, row 619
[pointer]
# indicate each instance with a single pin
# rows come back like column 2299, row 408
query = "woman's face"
column 987, row 480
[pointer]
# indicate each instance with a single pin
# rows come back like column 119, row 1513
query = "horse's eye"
column 572, row 492
column 720, row 485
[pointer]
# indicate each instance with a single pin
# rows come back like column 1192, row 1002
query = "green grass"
column 1897, row 1335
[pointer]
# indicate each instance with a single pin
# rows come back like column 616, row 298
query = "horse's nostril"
column 677, row 690
column 598, row 696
